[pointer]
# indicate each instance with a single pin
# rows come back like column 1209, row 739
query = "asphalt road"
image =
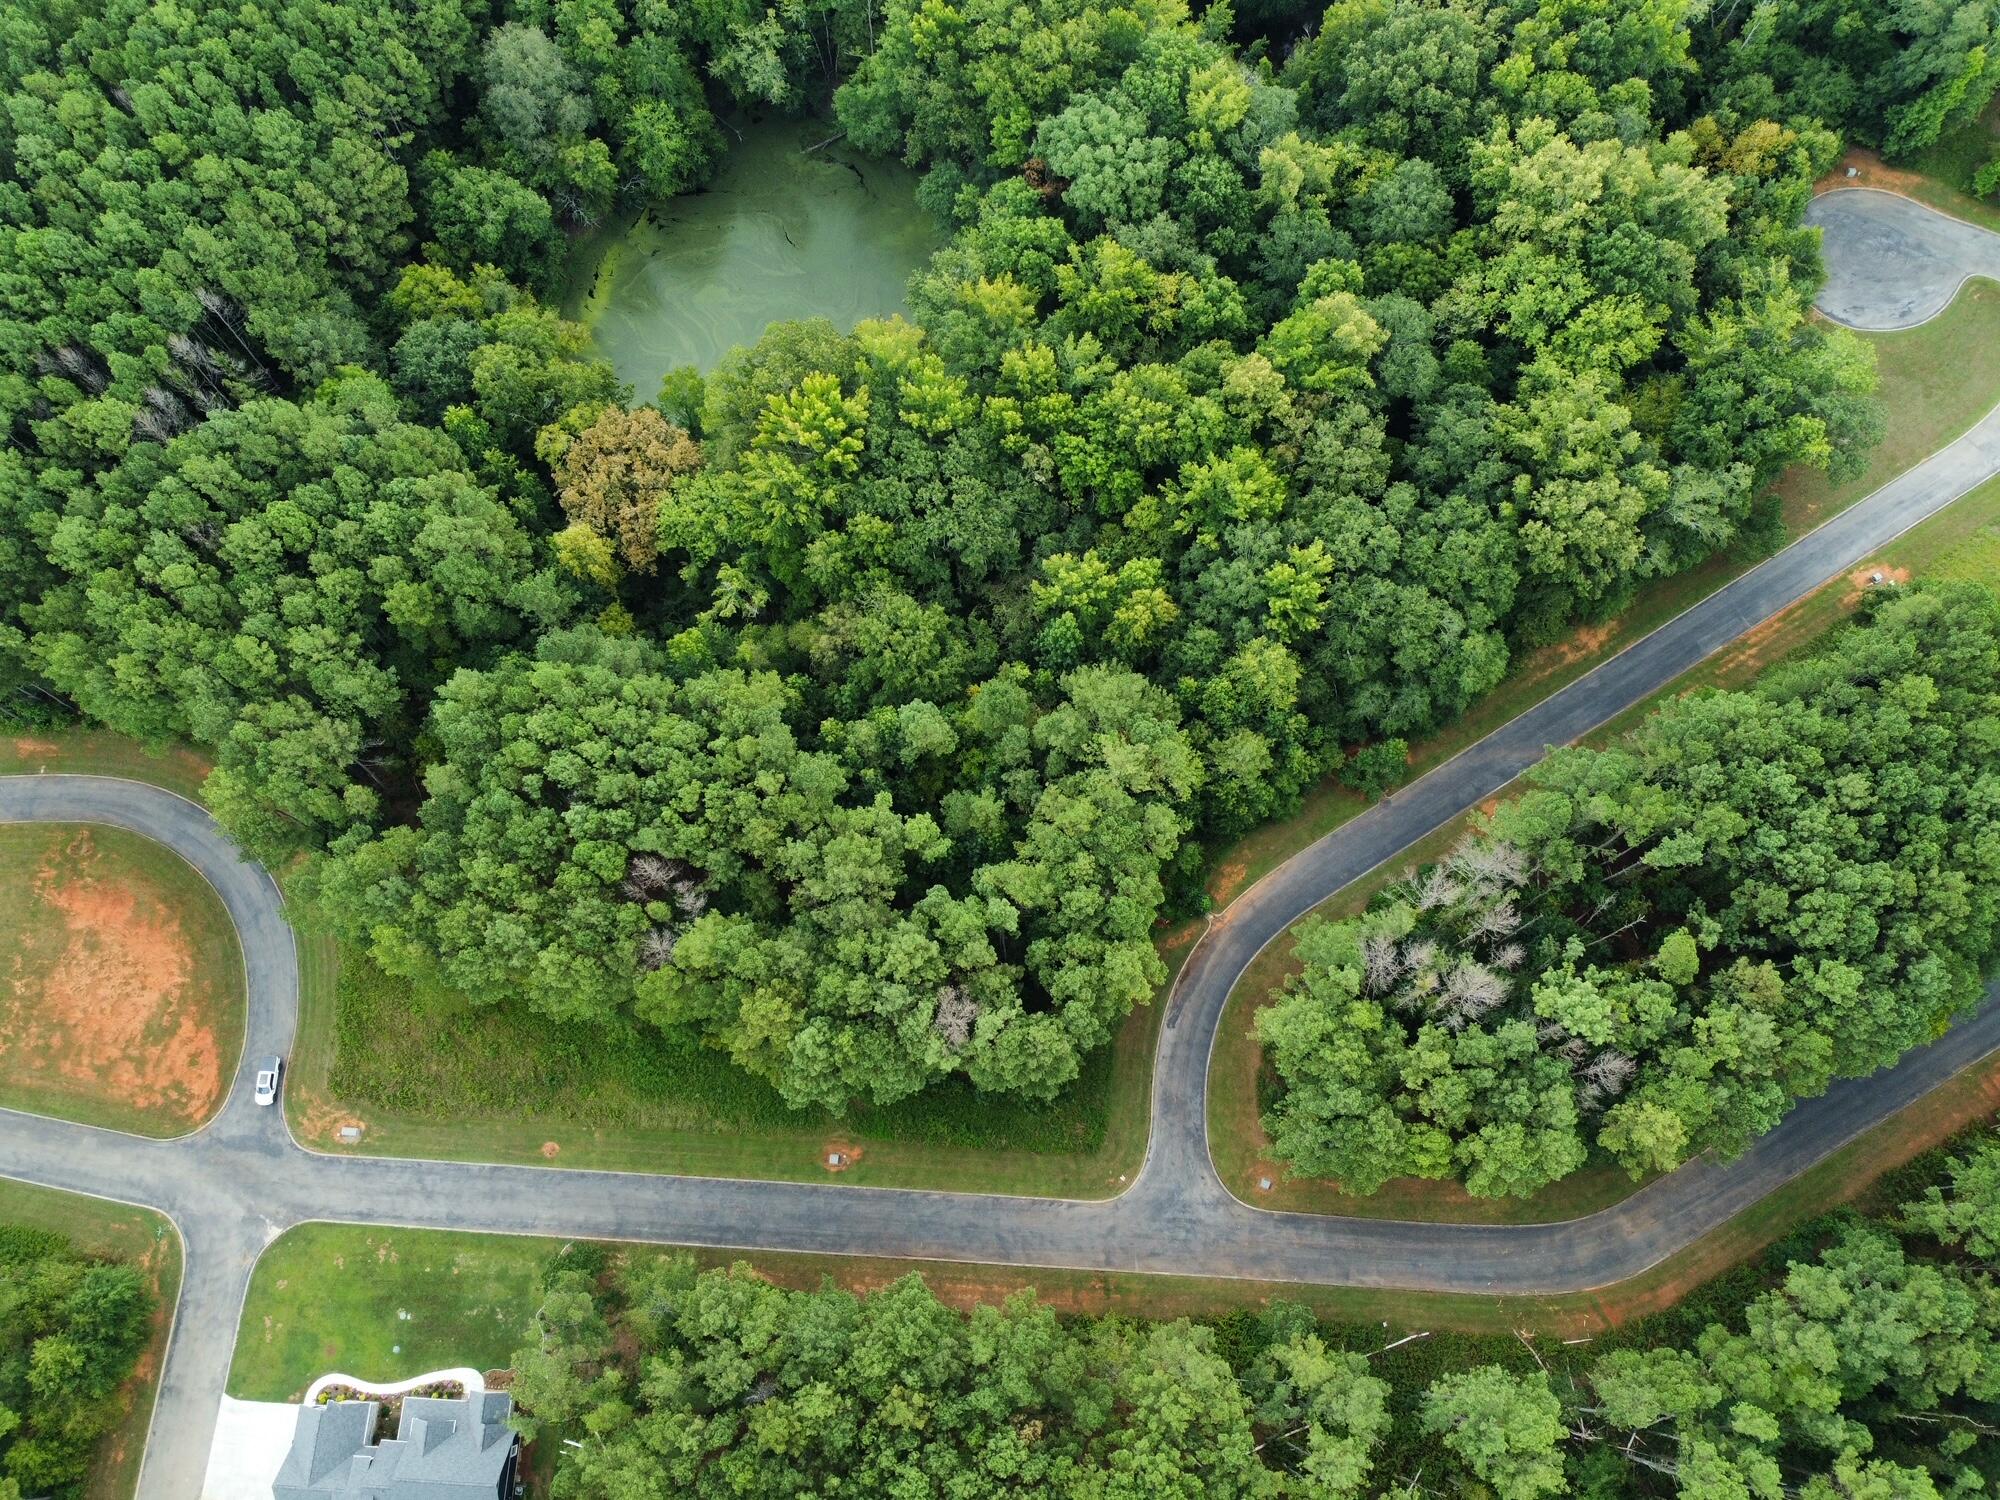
column 234, row 1185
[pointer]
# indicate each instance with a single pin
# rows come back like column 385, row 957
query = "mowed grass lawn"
column 430, row 1074
column 382, row 1304
column 123, row 1002
column 141, row 1238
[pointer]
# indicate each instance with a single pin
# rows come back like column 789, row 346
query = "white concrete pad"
column 251, row 1440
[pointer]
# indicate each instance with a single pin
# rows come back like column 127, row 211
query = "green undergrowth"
column 442, row 1057
column 1954, row 159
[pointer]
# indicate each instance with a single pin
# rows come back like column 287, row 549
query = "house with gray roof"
column 443, row 1449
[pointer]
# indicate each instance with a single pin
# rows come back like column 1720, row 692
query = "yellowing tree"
column 613, row 475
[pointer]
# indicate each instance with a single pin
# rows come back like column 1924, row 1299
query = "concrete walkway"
column 234, row 1185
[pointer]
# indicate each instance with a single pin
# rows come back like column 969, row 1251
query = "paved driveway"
column 251, row 1441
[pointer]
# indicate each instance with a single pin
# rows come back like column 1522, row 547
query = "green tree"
column 71, row 1330
column 1965, row 1208
column 284, row 585
column 1507, row 1428
column 479, row 216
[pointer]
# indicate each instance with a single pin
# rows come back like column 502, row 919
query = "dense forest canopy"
column 1866, row 1367
column 71, row 1329
column 863, row 706
column 1659, row 946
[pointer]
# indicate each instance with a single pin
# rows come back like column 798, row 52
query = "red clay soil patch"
column 27, row 748
column 1864, row 578
column 1226, row 884
column 550, row 1148
column 1758, row 646
column 838, row 1156
column 960, row 1286
column 1870, row 171
column 1583, row 643
column 109, row 1006
column 319, row 1119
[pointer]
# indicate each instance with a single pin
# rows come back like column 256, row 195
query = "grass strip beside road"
column 98, row 752
column 139, row 1237
column 1940, row 174
column 471, row 1083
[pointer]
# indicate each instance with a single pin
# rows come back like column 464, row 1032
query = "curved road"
column 234, row 1185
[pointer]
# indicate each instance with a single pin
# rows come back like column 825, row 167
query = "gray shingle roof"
column 442, row 1450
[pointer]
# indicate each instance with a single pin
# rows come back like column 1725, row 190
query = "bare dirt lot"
column 121, row 985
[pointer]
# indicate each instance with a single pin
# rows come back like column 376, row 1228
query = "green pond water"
column 779, row 234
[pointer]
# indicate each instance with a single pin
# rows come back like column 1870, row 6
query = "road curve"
column 234, row 1185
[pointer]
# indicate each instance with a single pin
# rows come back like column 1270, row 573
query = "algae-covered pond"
column 781, row 233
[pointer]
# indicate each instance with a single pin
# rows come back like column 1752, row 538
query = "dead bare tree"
column 1605, row 1076
column 1471, row 990
column 690, row 895
column 76, row 364
column 149, row 424
column 956, row 1012
column 172, row 409
column 1382, row 965
column 656, row 948
column 1438, row 890
column 649, row 876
